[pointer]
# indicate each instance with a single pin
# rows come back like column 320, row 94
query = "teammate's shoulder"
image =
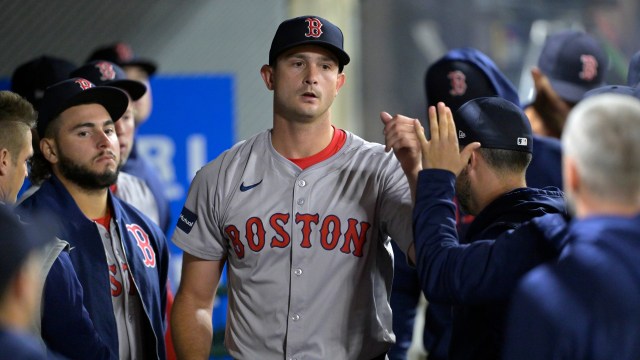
column 355, row 142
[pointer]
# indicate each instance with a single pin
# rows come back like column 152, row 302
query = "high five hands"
column 407, row 138
column 442, row 150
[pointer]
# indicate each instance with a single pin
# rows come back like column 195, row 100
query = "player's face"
column 18, row 170
column 87, row 148
column 125, row 129
column 305, row 83
column 144, row 105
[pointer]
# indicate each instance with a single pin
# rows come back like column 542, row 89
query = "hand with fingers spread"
column 400, row 135
column 442, row 150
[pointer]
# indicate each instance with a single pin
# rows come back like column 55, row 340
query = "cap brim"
column 571, row 92
column 135, row 89
column 114, row 100
column 343, row 57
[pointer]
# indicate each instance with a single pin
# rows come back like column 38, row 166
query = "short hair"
column 602, row 135
column 17, row 116
column 41, row 168
column 507, row 161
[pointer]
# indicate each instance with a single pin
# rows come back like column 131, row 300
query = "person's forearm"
column 191, row 328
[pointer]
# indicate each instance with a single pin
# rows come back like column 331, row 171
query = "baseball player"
column 120, row 256
column 60, row 308
column 140, row 70
column 301, row 215
column 502, row 243
column 585, row 306
column 570, row 64
column 129, row 188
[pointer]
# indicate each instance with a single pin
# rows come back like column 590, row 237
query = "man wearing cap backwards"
column 61, row 311
column 570, row 64
column 20, row 286
column 501, row 244
column 301, row 215
column 129, row 188
column 120, row 256
column 585, row 306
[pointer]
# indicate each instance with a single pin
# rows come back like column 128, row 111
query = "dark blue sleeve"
column 454, row 273
column 405, row 294
column 531, row 325
column 67, row 328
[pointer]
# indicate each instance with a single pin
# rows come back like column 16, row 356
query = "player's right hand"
column 400, row 135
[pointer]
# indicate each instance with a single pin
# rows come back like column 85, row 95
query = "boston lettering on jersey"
column 333, row 232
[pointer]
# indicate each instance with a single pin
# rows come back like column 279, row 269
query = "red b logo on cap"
column 106, row 71
column 314, row 28
column 84, row 84
column 589, row 67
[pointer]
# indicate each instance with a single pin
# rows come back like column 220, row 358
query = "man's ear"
column 5, row 161
column 266, row 72
column 48, row 149
column 342, row 78
column 570, row 175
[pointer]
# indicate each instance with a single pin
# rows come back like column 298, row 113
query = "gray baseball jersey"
column 309, row 260
column 135, row 191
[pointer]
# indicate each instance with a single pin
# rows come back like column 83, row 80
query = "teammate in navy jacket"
column 477, row 278
column 585, row 306
column 462, row 74
column 120, row 256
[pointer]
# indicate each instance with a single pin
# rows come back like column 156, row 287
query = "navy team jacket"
column 145, row 248
column 585, row 306
column 478, row 277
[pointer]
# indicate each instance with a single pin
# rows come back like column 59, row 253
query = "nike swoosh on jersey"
column 249, row 187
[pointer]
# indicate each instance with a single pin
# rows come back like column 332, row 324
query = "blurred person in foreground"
column 20, row 286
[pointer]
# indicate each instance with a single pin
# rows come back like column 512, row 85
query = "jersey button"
column 295, row 317
column 300, row 201
column 297, row 272
column 302, row 183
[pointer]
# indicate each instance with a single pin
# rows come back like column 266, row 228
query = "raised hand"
column 442, row 150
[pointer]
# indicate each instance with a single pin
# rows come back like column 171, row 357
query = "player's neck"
column 295, row 140
column 92, row 203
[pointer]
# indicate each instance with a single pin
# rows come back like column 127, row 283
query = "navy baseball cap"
column 122, row 55
column 102, row 72
column 455, row 82
column 614, row 89
column 574, row 62
column 18, row 240
column 77, row 91
column 496, row 123
column 308, row 30
column 32, row 78
column 633, row 77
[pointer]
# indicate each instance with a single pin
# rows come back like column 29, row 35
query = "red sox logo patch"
column 84, row 84
column 589, row 67
column 106, row 71
column 142, row 239
column 458, row 83
column 314, row 28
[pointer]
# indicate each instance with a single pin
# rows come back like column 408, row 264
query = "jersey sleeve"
column 198, row 231
column 396, row 205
